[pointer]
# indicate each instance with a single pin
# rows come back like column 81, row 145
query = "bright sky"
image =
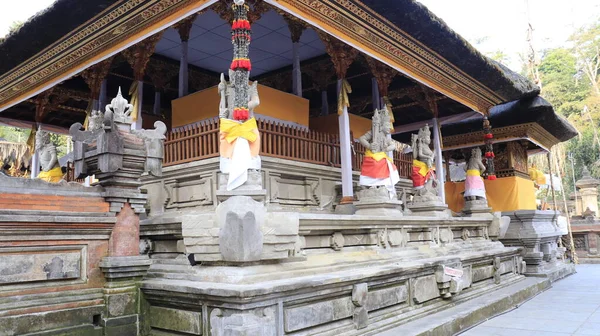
column 20, row 10
column 492, row 25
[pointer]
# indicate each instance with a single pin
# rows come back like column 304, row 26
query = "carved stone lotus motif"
column 120, row 109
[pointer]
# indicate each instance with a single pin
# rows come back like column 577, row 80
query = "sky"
column 20, row 10
column 490, row 25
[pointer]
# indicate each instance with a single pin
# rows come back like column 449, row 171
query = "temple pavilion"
column 314, row 264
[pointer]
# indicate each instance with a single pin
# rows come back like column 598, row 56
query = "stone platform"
column 347, row 275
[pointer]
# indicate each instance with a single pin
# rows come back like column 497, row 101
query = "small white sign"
column 453, row 272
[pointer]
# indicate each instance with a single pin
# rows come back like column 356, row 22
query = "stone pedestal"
column 538, row 232
column 428, row 206
column 477, row 208
column 375, row 201
column 121, row 293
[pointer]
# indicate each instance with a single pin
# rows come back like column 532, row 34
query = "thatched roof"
column 526, row 110
column 45, row 28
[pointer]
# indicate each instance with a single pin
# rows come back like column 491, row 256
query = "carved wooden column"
column 138, row 56
column 320, row 74
column 296, row 27
column 184, row 28
column 160, row 74
column 94, row 77
column 342, row 55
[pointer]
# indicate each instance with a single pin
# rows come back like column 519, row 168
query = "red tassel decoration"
column 491, row 177
column 490, row 155
column 489, row 136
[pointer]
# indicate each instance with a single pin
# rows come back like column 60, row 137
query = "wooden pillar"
column 342, row 55
column 439, row 166
column 184, row 27
column 103, row 94
column 156, row 109
column 95, row 77
column 375, row 93
column 138, row 56
column 296, row 28
column 324, row 103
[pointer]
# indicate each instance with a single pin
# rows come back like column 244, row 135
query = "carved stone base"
column 477, row 208
column 375, row 201
column 538, row 233
column 252, row 188
column 433, row 208
column 121, row 293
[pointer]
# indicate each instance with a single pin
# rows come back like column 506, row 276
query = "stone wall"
column 52, row 239
column 290, row 185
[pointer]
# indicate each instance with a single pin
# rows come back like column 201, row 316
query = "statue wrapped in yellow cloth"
column 239, row 144
column 51, row 171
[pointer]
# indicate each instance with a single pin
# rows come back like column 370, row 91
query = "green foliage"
column 14, row 134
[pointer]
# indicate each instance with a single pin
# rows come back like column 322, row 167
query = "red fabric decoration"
column 376, row 169
column 489, row 154
column 491, row 177
column 489, row 136
column 240, row 114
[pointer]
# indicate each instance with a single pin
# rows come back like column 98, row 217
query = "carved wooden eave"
column 116, row 28
column 130, row 21
column 532, row 132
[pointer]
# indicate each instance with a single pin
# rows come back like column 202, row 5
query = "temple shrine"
column 268, row 167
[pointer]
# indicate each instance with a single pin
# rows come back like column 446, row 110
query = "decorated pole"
column 241, row 66
column 489, row 149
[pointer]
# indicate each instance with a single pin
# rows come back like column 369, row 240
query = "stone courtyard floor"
column 570, row 307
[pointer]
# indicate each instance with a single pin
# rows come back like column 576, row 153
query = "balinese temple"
column 267, row 167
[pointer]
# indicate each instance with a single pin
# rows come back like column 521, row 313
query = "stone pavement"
column 570, row 307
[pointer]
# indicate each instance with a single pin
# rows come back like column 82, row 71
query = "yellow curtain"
column 503, row 194
column 343, row 100
column 31, row 139
column 133, row 93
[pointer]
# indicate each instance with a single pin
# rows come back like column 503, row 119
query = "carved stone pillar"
column 138, row 56
column 118, row 156
column 342, row 55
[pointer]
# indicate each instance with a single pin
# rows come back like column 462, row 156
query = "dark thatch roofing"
column 45, row 28
column 527, row 110
column 416, row 20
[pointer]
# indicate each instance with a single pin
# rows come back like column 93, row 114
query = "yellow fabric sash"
column 343, row 100
column 133, row 93
column 423, row 169
column 473, row 172
column 53, row 175
column 234, row 130
column 537, row 176
column 377, row 156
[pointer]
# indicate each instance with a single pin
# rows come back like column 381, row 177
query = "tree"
column 586, row 46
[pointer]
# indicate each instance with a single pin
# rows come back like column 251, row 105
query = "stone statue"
column 378, row 169
column 474, row 187
column 423, row 176
column 227, row 102
column 238, row 129
column 51, row 171
column 95, row 121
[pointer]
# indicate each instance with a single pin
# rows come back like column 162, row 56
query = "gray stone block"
column 188, row 322
column 240, row 238
column 425, row 289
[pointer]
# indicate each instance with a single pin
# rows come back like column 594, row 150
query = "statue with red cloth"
column 423, row 175
column 378, row 169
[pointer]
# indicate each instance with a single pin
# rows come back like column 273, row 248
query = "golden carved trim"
column 108, row 32
column 530, row 131
column 371, row 32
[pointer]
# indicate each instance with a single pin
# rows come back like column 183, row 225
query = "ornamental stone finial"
column 120, row 109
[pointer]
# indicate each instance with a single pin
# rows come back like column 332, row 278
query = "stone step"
column 471, row 312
